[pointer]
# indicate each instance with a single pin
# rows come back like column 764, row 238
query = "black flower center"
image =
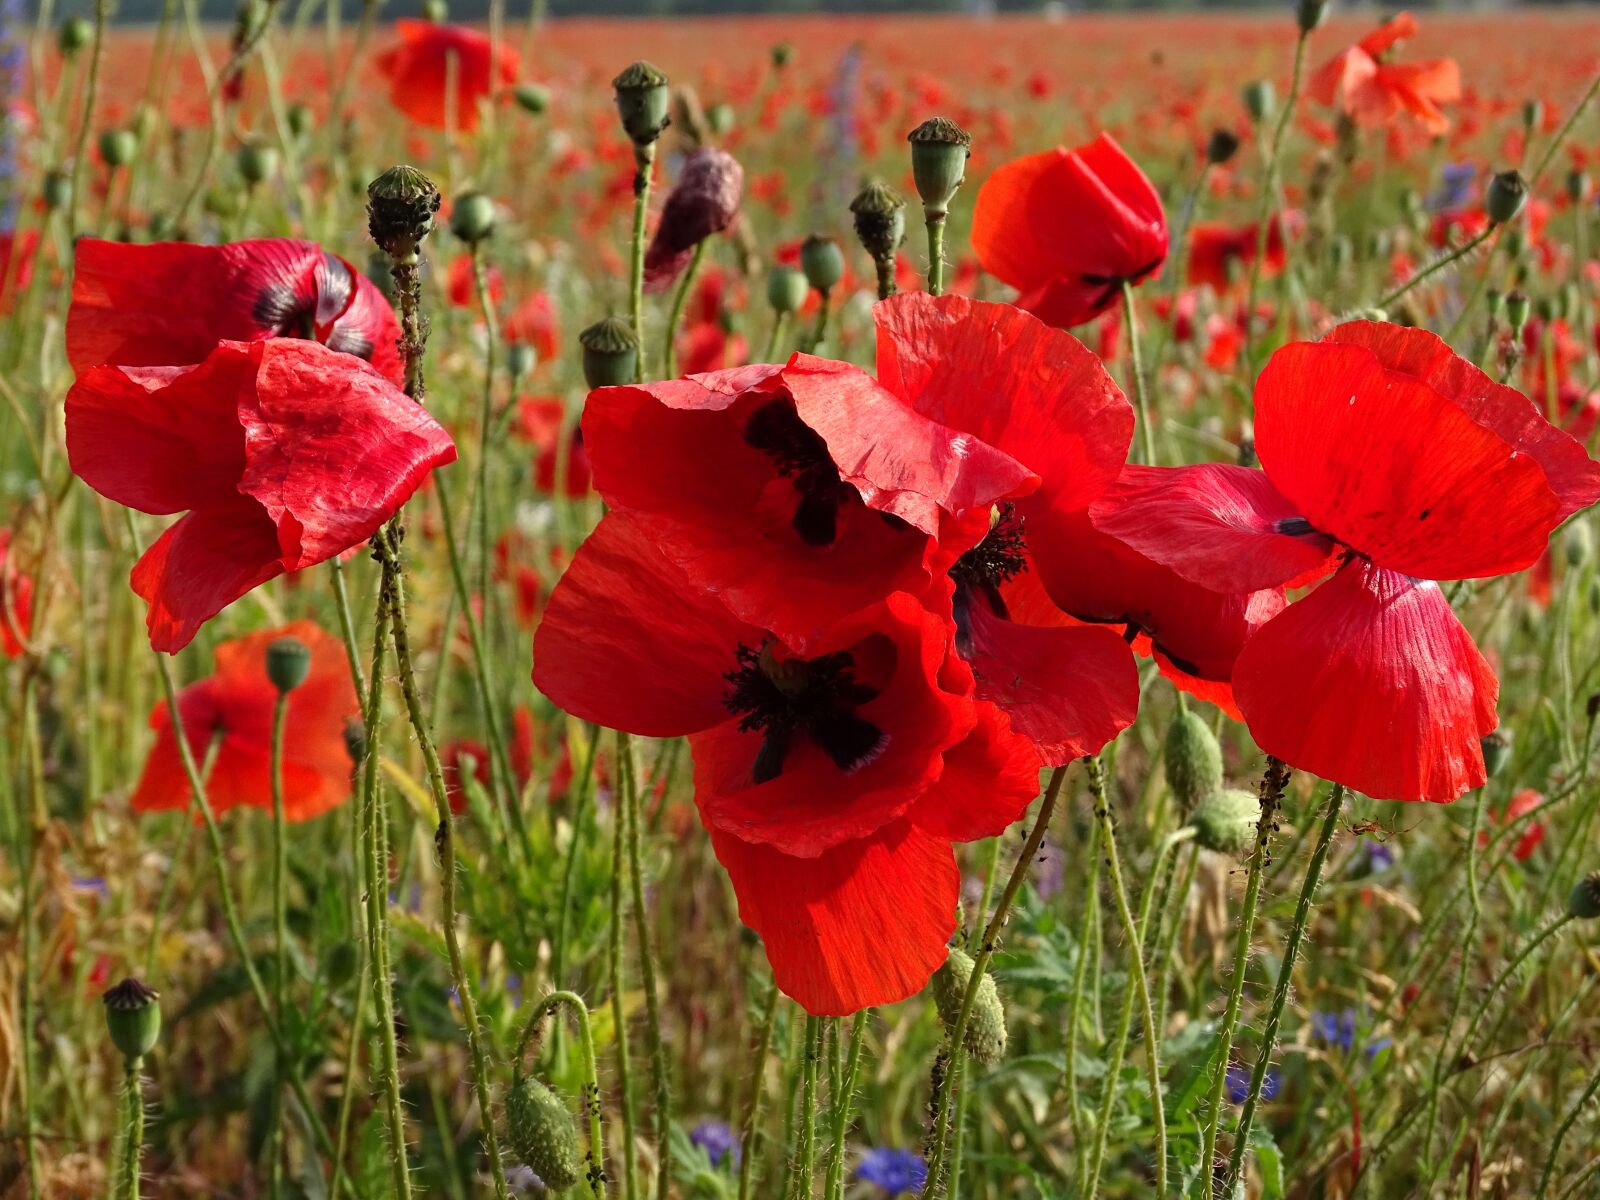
column 801, row 456
column 814, row 698
column 1111, row 285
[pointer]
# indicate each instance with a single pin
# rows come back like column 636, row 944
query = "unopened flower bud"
column 1225, row 821
column 1311, row 14
column 719, row 117
column 544, row 1136
column 642, row 102
column 985, row 1036
column 133, row 1017
column 257, row 163
column 939, row 150
column 822, row 261
column 1508, row 192
column 1222, row 145
column 300, row 120
column 1532, row 114
column 1496, row 751
column 786, row 289
column 472, row 217
column 1577, row 542
column 1584, row 902
column 288, row 663
column 610, row 353
column 531, row 97
column 57, row 189
column 1260, row 100
column 520, row 359
column 75, row 33
column 1495, row 301
column 1193, row 759
column 117, row 147
column 436, row 11
column 1577, row 186
column 400, row 207
column 355, row 740
column 704, row 202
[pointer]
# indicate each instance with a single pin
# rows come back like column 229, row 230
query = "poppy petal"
column 1372, row 682
column 989, row 779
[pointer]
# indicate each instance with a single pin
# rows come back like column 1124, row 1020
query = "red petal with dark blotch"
column 1371, row 681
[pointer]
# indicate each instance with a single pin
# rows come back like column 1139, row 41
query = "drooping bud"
column 1222, row 145
column 880, row 218
column 1496, row 751
column 299, row 119
column 288, row 663
column 1260, row 100
column 1508, row 192
column 543, row 1134
column 117, row 147
column 1532, row 114
column 133, row 1017
column 75, row 33
column 704, row 202
column 822, row 261
column 610, row 353
column 1584, row 902
column 257, row 162
column 400, row 207
column 1193, row 759
column 472, row 217
column 642, row 102
column 1225, row 821
column 1310, row 14
column 939, row 151
column 786, row 289
column 985, row 1036
column 531, row 97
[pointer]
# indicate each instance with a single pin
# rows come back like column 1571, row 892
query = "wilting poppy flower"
column 704, row 202
column 833, row 782
column 1374, row 92
column 16, row 601
column 168, row 304
column 234, row 708
column 283, row 453
column 419, row 70
column 1067, row 228
column 798, row 493
column 1410, row 465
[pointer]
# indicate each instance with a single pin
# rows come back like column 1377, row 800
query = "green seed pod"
column 1225, row 821
column 1193, row 761
column 642, row 102
column 1495, row 301
column 472, row 217
column 117, row 147
column 288, row 663
column 880, row 218
column 1496, row 750
column 257, row 163
column 543, row 1134
column 822, row 261
column 610, row 353
column 531, row 97
column 1310, row 14
column 1516, row 242
column 720, row 118
column 520, row 359
column 300, row 120
column 1584, row 902
column 57, row 190
column 1577, row 542
column 1517, row 310
column 133, row 1017
column 786, row 289
column 75, row 33
column 1222, row 145
column 339, row 967
column 939, row 152
column 436, row 11
column 161, row 228
column 1260, row 100
column 1508, row 192
column 985, row 1036
column 400, row 207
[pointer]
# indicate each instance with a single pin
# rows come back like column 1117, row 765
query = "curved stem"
column 1437, row 265
column 1147, row 437
column 1565, row 1127
column 752, row 1104
column 1578, row 110
column 1500, row 980
column 591, row 1087
column 668, row 343
column 1280, row 995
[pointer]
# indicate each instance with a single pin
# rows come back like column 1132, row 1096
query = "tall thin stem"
column 132, row 1131
column 80, row 151
column 1269, row 189
column 644, row 159
column 843, row 1102
column 280, row 918
column 619, row 1014
column 752, row 1103
column 591, row 1078
column 669, row 340
column 1147, row 437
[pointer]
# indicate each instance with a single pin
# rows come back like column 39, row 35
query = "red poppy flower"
column 1067, row 228
column 234, row 707
column 833, row 782
column 534, row 323
column 798, row 493
column 283, row 453
column 16, row 265
column 454, row 755
column 540, row 420
column 461, row 283
column 168, row 304
column 1375, row 93
column 1524, row 802
column 1221, row 255
column 1378, row 443
column 420, row 67
column 16, row 602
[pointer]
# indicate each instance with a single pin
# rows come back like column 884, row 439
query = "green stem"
column 644, row 161
column 807, row 1167
column 935, row 223
column 1565, row 1128
column 820, row 329
column 669, row 342
column 1269, row 189
column 1280, row 994
column 1550, row 930
column 1080, row 972
column 1436, row 266
column 752, row 1103
column 80, row 152
column 619, row 1015
column 347, row 1102
column 1562, row 133
column 843, row 1101
column 132, row 1131
column 1147, row 436
column 779, row 320
column 580, row 811
column 280, row 918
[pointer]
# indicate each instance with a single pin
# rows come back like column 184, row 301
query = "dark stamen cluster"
column 815, row 697
column 1000, row 557
column 802, row 456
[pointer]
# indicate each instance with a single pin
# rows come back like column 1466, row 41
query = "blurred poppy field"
column 791, row 606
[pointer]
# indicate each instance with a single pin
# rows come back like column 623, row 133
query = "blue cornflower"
column 894, row 1170
column 1455, row 187
column 1379, row 857
column 1238, row 1082
column 1337, row 1029
column 718, row 1140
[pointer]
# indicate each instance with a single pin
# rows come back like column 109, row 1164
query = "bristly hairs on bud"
column 1192, row 759
column 133, row 1017
column 543, row 1134
column 985, row 1037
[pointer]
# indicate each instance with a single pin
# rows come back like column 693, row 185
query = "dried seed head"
column 400, row 207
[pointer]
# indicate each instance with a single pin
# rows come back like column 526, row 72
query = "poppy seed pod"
column 531, row 98
column 1496, row 751
column 75, row 33
column 985, row 1036
column 520, row 359
column 299, row 119
column 786, row 289
column 1222, row 145
column 822, row 261
column 1577, row 186
column 720, row 118
column 541, row 1130
column 610, row 353
column 472, row 217
column 1260, row 100
column 939, row 151
column 1577, row 543
column 1517, row 311
column 288, row 664
column 1310, row 14
column 642, row 102
column 1584, row 902
column 1225, row 821
column 257, row 163
column 704, row 202
column 880, row 218
column 1508, row 192
column 1532, row 113
column 400, row 207
column 1193, row 762
column 133, row 1017
column 57, row 189
column 117, row 147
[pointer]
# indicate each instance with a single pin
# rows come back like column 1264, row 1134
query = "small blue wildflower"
column 1337, row 1029
column 894, row 1170
column 91, row 883
column 1238, row 1082
column 718, row 1140
column 521, row 1181
column 1379, row 857
column 1455, row 187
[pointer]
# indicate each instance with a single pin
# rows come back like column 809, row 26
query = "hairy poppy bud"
column 472, row 217
column 1225, row 821
column 720, row 118
column 531, row 97
column 117, row 147
column 939, row 150
column 400, row 207
column 610, row 353
column 1260, row 100
column 1517, row 310
column 1496, row 751
column 704, row 202
column 985, row 1036
column 786, row 289
column 1495, row 301
column 1508, row 192
column 1584, row 902
column 1222, row 145
column 880, row 214
column 1193, row 759
column 75, row 33
column 355, row 740
column 520, row 359
column 288, row 663
column 257, row 163
column 782, row 55
column 642, row 102
column 822, row 261
column 133, row 1017
column 541, row 1130
column 1310, row 14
